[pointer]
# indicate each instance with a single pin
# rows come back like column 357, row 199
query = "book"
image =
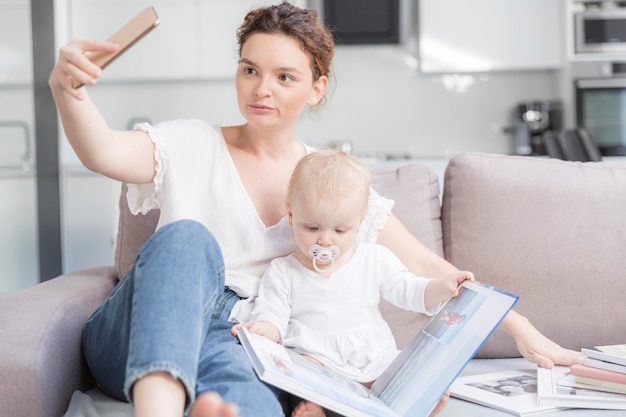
column 597, row 363
column 601, row 384
column 414, row 382
column 556, row 387
column 512, row 391
column 609, row 353
column 580, row 370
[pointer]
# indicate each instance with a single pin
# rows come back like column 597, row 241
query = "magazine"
column 557, row 387
column 512, row 391
column 414, row 382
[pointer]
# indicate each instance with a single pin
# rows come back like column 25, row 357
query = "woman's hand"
column 536, row 347
column 74, row 68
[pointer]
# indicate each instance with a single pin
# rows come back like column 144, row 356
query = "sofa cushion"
column 414, row 187
column 551, row 231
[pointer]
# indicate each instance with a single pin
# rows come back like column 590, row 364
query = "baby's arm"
column 264, row 328
column 439, row 290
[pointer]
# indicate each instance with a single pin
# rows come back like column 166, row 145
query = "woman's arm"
column 420, row 260
column 121, row 155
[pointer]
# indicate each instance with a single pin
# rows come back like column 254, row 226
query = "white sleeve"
column 378, row 210
column 144, row 197
column 272, row 303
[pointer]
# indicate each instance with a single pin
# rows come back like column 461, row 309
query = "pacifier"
column 323, row 255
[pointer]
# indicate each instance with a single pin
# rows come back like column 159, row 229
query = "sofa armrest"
column 41, row 360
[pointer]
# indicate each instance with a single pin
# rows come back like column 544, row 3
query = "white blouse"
column 197, row 179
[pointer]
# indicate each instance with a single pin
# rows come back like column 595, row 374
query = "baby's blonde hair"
column 330, row 175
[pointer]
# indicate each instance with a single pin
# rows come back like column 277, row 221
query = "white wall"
column 379, row 103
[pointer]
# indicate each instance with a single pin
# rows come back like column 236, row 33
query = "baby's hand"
column 264, row 328
column 456, row 279
column 439, row 290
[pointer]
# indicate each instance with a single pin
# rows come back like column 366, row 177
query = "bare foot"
column 210, row 404
column 308, row 409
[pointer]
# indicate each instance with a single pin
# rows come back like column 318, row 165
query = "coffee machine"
column 530, row 120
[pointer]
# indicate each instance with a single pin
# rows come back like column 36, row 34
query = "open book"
column 414, row 382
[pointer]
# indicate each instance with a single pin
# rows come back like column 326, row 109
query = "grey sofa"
column 553, row 232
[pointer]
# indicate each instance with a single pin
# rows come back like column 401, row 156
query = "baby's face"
column 319, row 222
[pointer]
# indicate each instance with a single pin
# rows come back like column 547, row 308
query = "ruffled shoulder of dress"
column 137, row 202
column 378, row 211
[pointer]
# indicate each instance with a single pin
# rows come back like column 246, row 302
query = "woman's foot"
column 210, row 404
column 308, row 409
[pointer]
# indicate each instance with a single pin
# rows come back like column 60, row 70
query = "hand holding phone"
column 127, row 36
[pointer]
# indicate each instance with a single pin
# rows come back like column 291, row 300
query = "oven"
column 601, row 109
column 600, row 31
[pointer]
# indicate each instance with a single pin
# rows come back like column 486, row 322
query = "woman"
column 162, row 338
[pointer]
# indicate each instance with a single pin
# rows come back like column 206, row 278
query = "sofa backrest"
column 414, row 188
column 551, row 231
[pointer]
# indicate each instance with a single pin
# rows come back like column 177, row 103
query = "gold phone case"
column 127, row 36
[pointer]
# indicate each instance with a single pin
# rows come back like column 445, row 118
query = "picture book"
column 556, row 387
column 609, row 353
column 609, row 366
column 512, row 391
column 415, row 381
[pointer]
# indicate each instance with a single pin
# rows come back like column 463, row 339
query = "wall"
column 379, row 102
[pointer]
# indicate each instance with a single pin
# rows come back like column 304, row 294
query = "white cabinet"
column 490, row 35
column 195, row 39
column 16, row 61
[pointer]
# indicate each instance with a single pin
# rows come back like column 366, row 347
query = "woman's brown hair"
column 304, row 25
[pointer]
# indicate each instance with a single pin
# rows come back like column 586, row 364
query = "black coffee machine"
column 530, row 120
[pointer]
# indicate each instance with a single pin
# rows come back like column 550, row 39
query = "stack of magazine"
column 599, row 382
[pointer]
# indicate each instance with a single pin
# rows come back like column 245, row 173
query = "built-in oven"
column 601, row 109
column 600, row 31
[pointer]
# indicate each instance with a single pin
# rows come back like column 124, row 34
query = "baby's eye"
column 340, row 231
column 285, row 78
column 312, row 228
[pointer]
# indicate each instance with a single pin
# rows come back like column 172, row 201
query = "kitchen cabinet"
column 490, row 35
column 195, row 39
column 16, row 61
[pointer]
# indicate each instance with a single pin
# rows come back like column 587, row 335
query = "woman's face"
column 274, row 81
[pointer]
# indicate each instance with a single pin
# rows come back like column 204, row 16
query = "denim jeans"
column 170, row 313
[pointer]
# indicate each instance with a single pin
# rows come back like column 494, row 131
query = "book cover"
column 609, row 366
column 609, row 353
column 414, row 382
column 514, row 391
column 555, row 387
column 581, row 370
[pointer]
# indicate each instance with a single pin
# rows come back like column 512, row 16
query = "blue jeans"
column 170, row 313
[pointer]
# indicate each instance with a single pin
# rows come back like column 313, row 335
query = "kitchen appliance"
column 601, row 109
column 530, row 120
column 600, row 30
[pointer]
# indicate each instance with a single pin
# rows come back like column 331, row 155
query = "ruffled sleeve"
column 378, row 210
column 144, row 197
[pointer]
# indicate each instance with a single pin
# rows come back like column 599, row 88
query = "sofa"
column 551, row 231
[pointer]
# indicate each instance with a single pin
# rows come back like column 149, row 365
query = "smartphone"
column 127, row 36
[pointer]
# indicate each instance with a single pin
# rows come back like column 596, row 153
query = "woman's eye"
column 285, row 78
column 249, row 71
